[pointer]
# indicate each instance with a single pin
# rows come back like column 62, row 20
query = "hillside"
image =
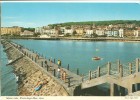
column 98, row 23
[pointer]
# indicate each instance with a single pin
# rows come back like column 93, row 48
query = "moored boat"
column 96, row 58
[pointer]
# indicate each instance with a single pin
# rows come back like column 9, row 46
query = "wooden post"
column 109, row 65
column 69, row 82
column 98, row 71
column 121, row 71
column 77, row 71
column 42, row 63
column 32, row 58
column 68, row 67
column 47, row 67
column 54, row 60
column 54, row 72
column 89, row 75
column 137, row 65
column 118, row 66
column 130, row 68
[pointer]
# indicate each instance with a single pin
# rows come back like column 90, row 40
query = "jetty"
column 120, row 78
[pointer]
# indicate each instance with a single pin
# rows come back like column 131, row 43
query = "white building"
column 27, row 33
column 113, row 33
column 39, row 30
column 89, row 32
column 100, row 32
column 136, row 33
column 62, row 29
column 44, row 36
column 121, row 32
column 68, row 31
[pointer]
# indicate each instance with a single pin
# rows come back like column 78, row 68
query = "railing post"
column 47, row 68
column 121, row 71
column 118, row 65
column 77, row 71
column 89, row 75
column 98, row 71
column 68, row 67
column 69, row 82
column 42, row 63
column 54, row 60
column 109, row 65
column 32, row 57
column 137, row 65
column 130, row 68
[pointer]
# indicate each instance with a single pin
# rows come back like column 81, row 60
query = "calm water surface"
column 79, row 53
column 8, row 81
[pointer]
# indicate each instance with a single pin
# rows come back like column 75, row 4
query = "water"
column 8, row 81
column 79, row 53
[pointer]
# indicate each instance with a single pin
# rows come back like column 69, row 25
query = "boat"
column 96, row 58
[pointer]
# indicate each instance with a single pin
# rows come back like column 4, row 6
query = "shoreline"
column 81, row 39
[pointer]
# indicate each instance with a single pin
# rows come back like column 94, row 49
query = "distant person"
column 58, row 62
column 46, row 62
column 64, row 76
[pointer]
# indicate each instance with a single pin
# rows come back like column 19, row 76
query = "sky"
column 37, row 14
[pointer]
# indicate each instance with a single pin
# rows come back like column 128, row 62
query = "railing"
column 114, row 69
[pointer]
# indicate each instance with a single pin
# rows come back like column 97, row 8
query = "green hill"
column 98, row 23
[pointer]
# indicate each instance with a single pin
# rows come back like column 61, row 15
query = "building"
column 121, row 32
column 112, row 33
column 137, row 33
column 128, row 33
column 68, row 31
column 39, row 30
column 44, row 36
column 27, row 33
column 11, row 30
column 89, row 32
column 79, row 31
column 62, row 30
column 100, row 32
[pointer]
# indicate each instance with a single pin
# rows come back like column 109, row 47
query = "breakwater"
column 29, row 74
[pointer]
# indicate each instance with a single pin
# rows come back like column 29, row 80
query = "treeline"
column 99, row 23
column 29, row 29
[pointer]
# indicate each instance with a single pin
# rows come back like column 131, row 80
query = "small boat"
column 96, row 58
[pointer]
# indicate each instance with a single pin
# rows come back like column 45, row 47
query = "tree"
column 74, row 33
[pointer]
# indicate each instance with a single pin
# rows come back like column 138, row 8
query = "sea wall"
column 29, row 75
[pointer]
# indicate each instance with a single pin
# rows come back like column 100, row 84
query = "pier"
column 116, row 74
